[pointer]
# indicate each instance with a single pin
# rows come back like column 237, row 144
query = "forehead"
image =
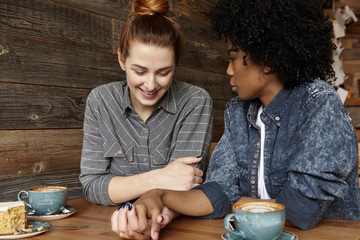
column 231, row 48
column 145, row 54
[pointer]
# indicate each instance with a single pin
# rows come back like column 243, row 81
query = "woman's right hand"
column 179, row 175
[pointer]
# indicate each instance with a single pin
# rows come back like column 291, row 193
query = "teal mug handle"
column 20, row 198
column 227, row 225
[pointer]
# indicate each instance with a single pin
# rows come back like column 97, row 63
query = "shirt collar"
column 274, row 110
column 126, row 104
column 169, row 100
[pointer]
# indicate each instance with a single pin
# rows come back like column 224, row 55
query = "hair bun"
column 149, row 7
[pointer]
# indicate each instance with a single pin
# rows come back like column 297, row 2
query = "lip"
column 233, row 88
column 148, row 94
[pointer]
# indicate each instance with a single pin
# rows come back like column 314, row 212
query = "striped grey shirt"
column 117, row 142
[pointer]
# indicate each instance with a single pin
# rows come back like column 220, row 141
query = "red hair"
column 148, row 24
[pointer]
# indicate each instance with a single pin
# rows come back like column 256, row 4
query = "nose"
column 150, row 82
column 229, row 70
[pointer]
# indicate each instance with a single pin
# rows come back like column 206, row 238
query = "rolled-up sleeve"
column 219, row 201
column 303, row 212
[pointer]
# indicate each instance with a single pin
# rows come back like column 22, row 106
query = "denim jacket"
column 310, row 156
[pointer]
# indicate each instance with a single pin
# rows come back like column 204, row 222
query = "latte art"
column 49, row 190
column 258, row 209
column 258, row 220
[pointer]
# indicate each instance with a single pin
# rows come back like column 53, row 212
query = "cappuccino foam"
column 48, row 189
column 258, row 209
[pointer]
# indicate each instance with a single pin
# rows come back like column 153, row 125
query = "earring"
column 266, row 70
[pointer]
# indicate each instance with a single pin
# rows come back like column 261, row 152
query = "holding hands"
column 144, row 219
column 148, row 215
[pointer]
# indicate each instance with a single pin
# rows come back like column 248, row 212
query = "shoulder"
column 188, row 90
column 316, row 92
column 189, row 95
column 108, row 90
column 319, row 87
column 315, row 88
column 319, row 98
column 110, row 87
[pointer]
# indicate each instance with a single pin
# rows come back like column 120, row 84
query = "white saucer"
column 67, row 211
column 35, row 225
column 284, row 236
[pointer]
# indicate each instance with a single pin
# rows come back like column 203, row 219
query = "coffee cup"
column 46, row 200
column 256, row 220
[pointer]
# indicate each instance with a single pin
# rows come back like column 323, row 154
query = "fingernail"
column 198, row 157
column 130, row 206
column 119, row 208
column 126, row 204
column 162, row 219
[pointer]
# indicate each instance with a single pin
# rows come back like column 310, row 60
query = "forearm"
column 126, row 188
column 191, row 203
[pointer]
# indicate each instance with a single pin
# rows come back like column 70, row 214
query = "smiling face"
column 149, row 72
column 250, row 81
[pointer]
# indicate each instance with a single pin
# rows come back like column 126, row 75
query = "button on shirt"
column 310, row 156
column 117, row 142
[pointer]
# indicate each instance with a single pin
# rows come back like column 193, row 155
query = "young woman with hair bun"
column 148, row 131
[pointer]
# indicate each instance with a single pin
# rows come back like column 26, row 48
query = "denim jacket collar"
column 273, row 111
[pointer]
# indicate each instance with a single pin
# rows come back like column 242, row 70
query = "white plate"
column 36, row 224
column 67, row 211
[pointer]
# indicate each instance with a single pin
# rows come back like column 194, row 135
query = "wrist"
column 156, row 193
column 154, row 180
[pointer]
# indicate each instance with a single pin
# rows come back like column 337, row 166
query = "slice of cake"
column 12, row 213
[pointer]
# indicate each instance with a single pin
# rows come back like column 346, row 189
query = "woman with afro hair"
column 287, row 138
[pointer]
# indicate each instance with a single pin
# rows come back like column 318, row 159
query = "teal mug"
column 46, row 200
column 256, row 220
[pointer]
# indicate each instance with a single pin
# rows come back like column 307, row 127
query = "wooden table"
column 184, row 228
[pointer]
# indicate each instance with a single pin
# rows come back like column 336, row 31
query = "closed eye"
column 140, row 73
column 163, row 74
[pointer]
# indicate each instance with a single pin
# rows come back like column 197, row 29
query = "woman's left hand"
column 124, row 223
column 143, row 219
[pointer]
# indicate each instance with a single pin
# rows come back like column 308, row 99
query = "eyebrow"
column 161, row 69
column 233, row 49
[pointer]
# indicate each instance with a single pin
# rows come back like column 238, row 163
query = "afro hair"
column 292, row 37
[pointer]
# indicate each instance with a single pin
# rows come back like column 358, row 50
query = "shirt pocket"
column 122, row 162
column 160, row 158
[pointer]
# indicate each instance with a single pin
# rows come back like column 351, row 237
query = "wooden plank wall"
column 351, row 63
column 52, row 53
